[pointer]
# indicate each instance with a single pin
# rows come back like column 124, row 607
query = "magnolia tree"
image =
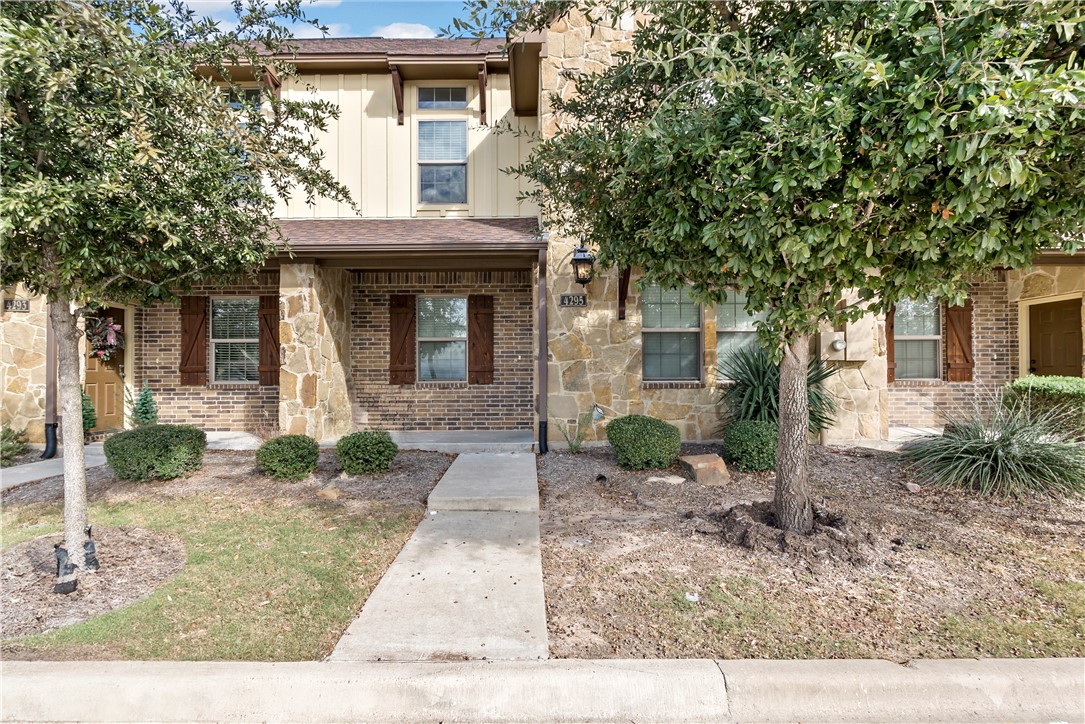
column 803, row 153
column 129, row 176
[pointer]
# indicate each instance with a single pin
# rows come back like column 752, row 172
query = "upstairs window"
column 442, row 339
column 917, row 339
column 671, row 335
column 442, row 162
column 235, row 339
column 442, row 98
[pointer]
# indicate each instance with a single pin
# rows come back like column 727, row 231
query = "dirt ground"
column 637, row 566
column 140, row 561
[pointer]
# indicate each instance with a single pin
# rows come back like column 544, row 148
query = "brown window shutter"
column 890, row 347
column 959, row 359
column 269, row 340
column 193, row 341
column 401, row 322
column 480, row 339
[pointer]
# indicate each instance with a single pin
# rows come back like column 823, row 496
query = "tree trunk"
column 71, row 428
column 793, row 509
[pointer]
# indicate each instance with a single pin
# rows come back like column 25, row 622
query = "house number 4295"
column 574, row 300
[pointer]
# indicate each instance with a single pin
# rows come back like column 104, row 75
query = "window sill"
column 662, row 385
column 460, row 385
column 235, row 385
column 917, row 383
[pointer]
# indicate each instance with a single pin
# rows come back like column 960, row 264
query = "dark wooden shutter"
column 401, row 324
column 193, row 341
column 890, row 347
column 480, row 339
column 269, row 340
column 959, row 361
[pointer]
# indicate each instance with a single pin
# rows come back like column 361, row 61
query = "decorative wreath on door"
column 105, row 337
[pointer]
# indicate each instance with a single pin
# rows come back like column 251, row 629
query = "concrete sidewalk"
column 1002, row 690
column 468, row 584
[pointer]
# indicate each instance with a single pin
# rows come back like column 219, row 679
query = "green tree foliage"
column 128, row 173
column 798, row 152
column 144, row 408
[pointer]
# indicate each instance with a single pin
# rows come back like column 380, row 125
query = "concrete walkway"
column 1002, row 690
column 468, row 584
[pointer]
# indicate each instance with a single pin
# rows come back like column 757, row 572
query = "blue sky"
column 354, row 18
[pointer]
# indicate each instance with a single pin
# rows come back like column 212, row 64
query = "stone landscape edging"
column 651, row 690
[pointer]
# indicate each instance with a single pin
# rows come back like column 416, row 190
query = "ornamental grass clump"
column 643, row 443
column 1007, row 449
column 156, row 452
column 750, row 445
column 1040, row 393
column 753, row 392
column 288, row 457
column 366, row 453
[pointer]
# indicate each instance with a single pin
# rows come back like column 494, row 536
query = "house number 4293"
column 574, row 300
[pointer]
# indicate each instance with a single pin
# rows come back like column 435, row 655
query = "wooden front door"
column 104, row 381
column 1055, row 338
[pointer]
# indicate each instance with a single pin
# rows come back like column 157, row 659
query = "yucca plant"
column 754, row 392
column 1003, row 449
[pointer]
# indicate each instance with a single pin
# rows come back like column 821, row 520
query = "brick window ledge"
column 236, row 386
column 672, row 385
column 440, row 385
column 917, row 383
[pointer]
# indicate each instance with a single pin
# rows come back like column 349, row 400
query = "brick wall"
column 507, row 404
column 215, row 407
column 915, row 403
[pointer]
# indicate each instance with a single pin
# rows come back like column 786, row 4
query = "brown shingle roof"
column 316, row 235
column 397, row 46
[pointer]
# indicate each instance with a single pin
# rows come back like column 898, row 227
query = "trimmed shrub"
column 1044, row 393
column 366, row 453
column 144, row 408
column 12, row 444
column 750, row 445
column 1010, row 450
column 643, row 443
column 156, row 452
column 753, row 390
column 90, row 417
column 288, row 457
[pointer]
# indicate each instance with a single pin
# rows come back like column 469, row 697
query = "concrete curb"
column 548, row 691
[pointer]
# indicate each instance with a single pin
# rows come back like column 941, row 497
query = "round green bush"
column 750, row 445
column 288, row 457
column 156, row 452
column 643, row 443
column 366, row 453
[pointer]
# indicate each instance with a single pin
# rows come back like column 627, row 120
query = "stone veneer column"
column 22, row 366
column 314, row 335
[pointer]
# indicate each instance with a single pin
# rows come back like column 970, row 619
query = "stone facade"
column 507, row 404
column 22, row 365
column 915, row 403
column 314, row 336
column 211, row 407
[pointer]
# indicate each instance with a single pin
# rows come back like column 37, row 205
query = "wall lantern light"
column 582, row 265
column 838, row 345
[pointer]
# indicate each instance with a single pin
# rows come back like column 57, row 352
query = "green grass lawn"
column 267, row 580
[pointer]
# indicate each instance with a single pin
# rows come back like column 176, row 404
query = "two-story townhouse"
column 443, row 306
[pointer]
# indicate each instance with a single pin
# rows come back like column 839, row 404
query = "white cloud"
column 335, row 30
column 404, row 30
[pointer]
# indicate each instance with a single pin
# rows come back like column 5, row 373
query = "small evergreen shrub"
column 1008, row 449
column 156, row 452
column 1041, row 393
column 643, row 443
column 144, row 409
column 366, row 453
column 288, row 457
column 750, row 445
column 753, row 389
column 90, row 417
column 12, row 444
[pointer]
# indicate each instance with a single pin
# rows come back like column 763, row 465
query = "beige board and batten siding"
column 376, row 158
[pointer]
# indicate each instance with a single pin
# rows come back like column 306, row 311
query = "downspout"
column 544, row 352
column 50, row 390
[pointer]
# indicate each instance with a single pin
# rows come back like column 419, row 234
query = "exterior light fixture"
column 582, row 265
column 838, row 345
column 596, row 412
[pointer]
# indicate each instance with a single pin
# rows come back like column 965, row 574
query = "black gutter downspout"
column 544, row 352
column 50, row 390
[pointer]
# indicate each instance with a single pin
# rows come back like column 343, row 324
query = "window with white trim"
column 235, row 339
column 735, row 327
column 443, row 99
column 441, row 325
column 671, row 335
column 918, row 339
column 442, row 162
